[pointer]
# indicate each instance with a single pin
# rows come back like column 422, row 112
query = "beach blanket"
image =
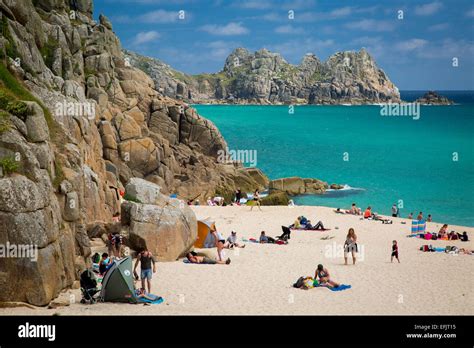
column 156, row 300
column 339, row 288
column 303, row 229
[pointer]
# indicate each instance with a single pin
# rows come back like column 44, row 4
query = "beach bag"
column 425, row 248
column 428, row 236
column 299, row 283
column 434, row 236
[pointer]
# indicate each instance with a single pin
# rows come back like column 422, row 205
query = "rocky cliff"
column 264, row 77
column 76, row 123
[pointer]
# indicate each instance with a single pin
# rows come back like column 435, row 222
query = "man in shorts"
column 146, row 259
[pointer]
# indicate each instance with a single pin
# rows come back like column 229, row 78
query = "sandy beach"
column 260, row 277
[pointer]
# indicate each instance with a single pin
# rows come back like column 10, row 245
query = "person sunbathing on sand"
column 368, row 213
column 232, row 241
column 194, row 258
column 443, row 231
column 324, row 277
column 354, row 210
column 265, row 239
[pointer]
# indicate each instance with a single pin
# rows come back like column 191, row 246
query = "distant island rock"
column 433, row 98
column 264, row 77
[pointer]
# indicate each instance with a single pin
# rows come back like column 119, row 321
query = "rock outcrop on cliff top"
column 264, row 77
column 91, row 123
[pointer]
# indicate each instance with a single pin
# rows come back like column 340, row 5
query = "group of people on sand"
column 445, row 235
column 420, row 217
column 302, row 223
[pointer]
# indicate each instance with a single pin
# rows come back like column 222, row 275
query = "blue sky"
column 416, row 52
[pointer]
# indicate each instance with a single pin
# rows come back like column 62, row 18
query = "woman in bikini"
column 324, row 277
column 256, row 199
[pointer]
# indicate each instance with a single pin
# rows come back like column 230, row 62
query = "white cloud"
column 159, row 16
column 371, row 25
column 341, row 12
column 289, row 29
column 225, row 30
column 428, row 9
column 220, row 50
column 153, row 17
column 267, row 4
column 449, row 48
column 439, row 27
column 145, row 37
column 254, row 4
column 411, row 45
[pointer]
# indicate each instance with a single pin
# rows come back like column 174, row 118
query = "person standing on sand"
column 350, row 246
column 146, row 259
column 394, row 210
column 410, row 216
column 238, row 196
column 256, row 199
column 420, row 216
column 394, row 251
column 429, row 219
column 216, row 240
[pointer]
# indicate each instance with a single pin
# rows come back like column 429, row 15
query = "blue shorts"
column 146, row 274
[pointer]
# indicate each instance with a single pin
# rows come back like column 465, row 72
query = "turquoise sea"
column 425, row 164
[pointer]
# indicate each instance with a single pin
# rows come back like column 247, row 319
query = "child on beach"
column 394, row 251
column 232, row 240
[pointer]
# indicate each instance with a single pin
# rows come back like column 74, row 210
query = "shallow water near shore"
column 425, row 164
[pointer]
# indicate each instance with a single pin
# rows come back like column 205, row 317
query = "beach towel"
column 303, row 229
column 339, row 288
column 421, row 226
column 440, row 250
column 414, row 226
column 156, row 300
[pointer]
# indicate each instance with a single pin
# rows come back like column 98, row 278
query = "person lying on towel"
column 194, row 258
column 140, row 293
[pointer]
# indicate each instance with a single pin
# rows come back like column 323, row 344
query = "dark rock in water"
column 298, row 186
column 433, row 98
column 276, row 198
column 336, row 186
